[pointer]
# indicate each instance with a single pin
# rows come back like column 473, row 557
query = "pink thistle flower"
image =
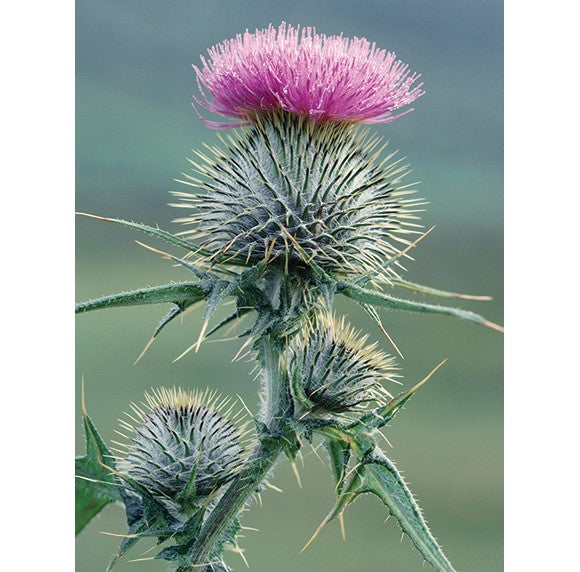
column 326, row 78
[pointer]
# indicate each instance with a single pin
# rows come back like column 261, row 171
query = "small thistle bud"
column 289, row 191
column 182, row 444
column 336, row 371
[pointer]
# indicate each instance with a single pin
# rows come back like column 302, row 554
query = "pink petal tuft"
column 327, row 78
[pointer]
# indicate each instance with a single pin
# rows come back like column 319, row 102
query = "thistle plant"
column 298, row 204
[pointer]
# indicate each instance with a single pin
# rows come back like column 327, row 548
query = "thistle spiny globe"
column 337, row 369
column 178, row 435
column 289, row 191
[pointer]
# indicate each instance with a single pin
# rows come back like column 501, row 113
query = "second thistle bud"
column 333, row 370
column 182, row 445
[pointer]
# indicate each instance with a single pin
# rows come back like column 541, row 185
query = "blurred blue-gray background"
column 135, row 128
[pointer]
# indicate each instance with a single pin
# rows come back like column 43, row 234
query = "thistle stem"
column 272, row 442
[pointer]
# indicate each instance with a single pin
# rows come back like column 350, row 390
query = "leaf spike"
column 83, row 404
column 342, row 527
column 201, row 334
column 316, row 533
column 391, row 260
column 391, row 341
column 244, row 346
column 274, row 487
column 244, row 405
column 346, row 497
column 436, row 292
column 387, row 412
column 195, row 306
column 269, row 251
column 377, row 320
column 144, row 351
column 315, row 452
column 493, row 326
column 184, row 353
column 166, row 256
column 427, row 377
column 119, row 535
column 237, row 550
column 296, row 473
column 386, row 439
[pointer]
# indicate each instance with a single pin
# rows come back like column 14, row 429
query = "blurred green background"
column 135, row 127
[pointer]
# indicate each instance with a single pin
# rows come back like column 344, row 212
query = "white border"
column 541, row 192
column 542, row 158
column 37, row 260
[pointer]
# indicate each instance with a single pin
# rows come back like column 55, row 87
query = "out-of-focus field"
column 134, row 129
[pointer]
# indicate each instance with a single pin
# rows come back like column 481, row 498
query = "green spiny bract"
column 288, row 191
column 333, row 370
column 183, row 446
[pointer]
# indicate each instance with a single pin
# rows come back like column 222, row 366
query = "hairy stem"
column 271, row 443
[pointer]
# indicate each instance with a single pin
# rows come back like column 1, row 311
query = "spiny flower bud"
column 324, row 78
column 336, row 370
column 182, row 443
column 290, row 192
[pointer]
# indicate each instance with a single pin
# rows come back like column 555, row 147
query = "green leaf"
column 380, row 416
column 381, row 478
column 157, row 233
column 152, row 519
column 377, row 298
column 88, row 503
column 95, row 486
column 435, row 291
column 349, row 493
column 236, row 314
column 180, row 293
column 339, row 453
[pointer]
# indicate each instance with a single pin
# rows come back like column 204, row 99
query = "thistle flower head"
column 289, row 192
column 337, row 370
column 325, row 78
column 182, row 444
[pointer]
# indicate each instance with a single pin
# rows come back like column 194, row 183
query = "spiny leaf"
column 220, row 291
column 382, row 415
column 339, row 453
column 381, row 478
column 348, row 494
column 199, row 272
column 238, row 313
column 377, row 320
column 377, row 298
column 155, row 520
column 95, row 486
column 381, row 269
column 436, row 292
column 162, row 234
column 179, row 293
column 141, row 529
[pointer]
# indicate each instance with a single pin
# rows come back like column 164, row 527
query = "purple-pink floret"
column 327, row 78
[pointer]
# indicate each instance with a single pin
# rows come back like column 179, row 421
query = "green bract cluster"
column 182, row 446
column 333, row 370
column 287, row 190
